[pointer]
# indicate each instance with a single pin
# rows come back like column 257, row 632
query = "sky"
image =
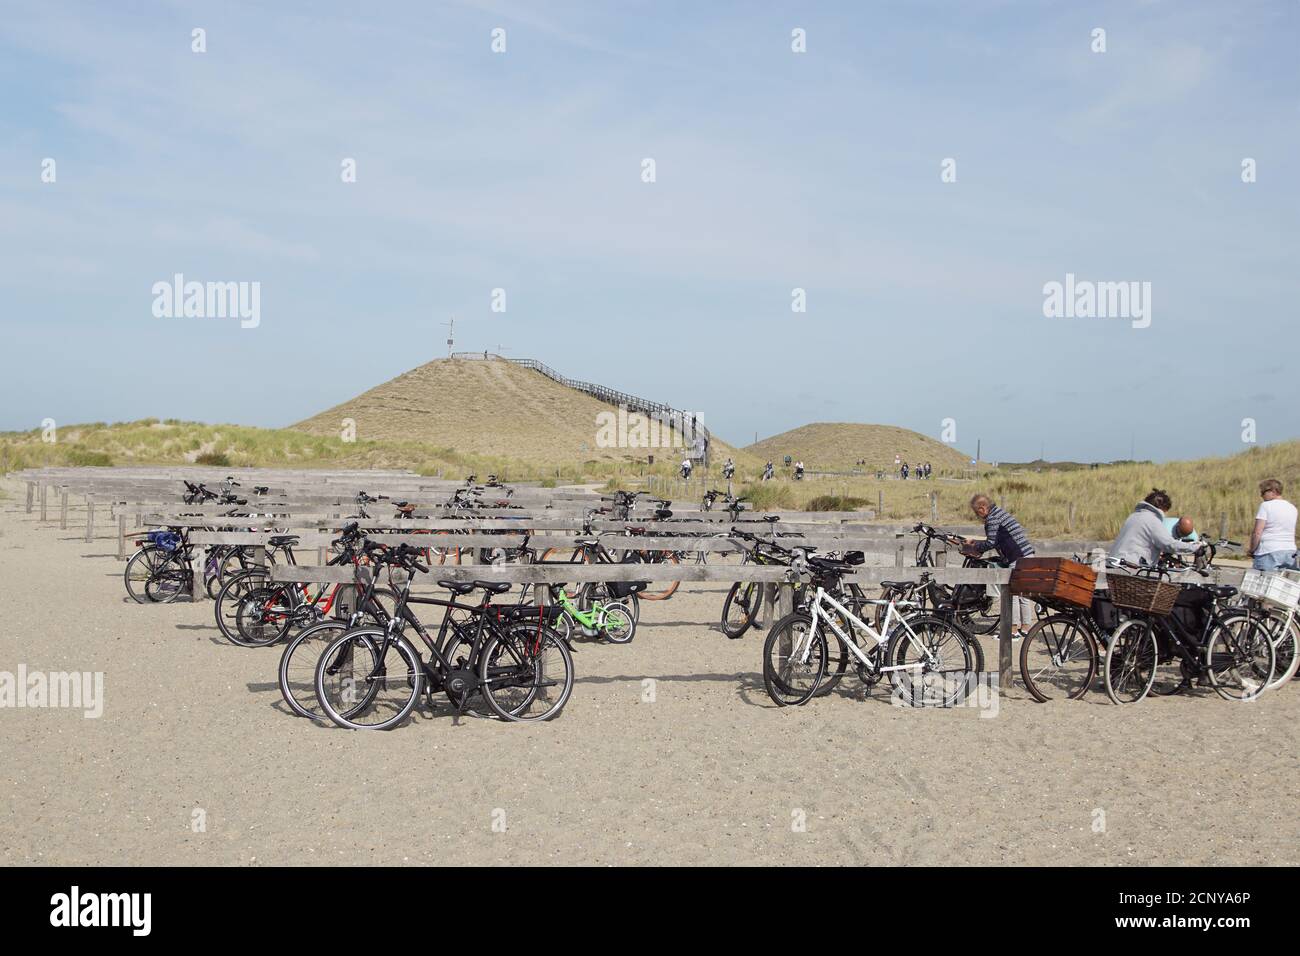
column 922, row 171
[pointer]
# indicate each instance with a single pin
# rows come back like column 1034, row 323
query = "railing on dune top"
column 610, row 395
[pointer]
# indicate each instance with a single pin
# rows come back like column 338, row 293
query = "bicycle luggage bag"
column 165, row 540
column 621, row 589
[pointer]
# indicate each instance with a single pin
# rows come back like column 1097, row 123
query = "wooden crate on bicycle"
column 1054, row 581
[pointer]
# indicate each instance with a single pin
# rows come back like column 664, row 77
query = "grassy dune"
column 482, row 406
column 837, row 446
column 151, row 441
column 1102, row 497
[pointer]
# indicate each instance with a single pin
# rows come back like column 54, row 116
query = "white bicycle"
column 925, row 657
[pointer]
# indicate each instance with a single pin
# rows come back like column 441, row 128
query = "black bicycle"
column 371, row 678
column 1161, row 651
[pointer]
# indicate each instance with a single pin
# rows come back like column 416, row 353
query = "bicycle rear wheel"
column 618, row 626
column 526, row 674
column 226, row 607
column 263, row 616
column 937, row 668
column 1058, row 658
column 140, row 569
column 659, row 590
column 169, row 580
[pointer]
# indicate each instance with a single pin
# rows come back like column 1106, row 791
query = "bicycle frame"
column 855, row 623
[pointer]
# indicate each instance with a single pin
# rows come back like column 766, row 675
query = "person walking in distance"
column 1003, row 534
column 1272, row 540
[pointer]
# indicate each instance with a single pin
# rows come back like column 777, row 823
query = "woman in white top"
column 1272, row 543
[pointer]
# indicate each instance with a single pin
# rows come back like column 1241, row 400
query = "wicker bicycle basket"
column 1142, row 594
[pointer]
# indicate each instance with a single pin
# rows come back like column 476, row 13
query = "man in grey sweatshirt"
column 1144, row 537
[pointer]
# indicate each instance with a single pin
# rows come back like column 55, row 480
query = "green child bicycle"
column 613, row 621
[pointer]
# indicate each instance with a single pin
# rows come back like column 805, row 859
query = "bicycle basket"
column 1142, row 594
column 1276, row 587
column 165, row 540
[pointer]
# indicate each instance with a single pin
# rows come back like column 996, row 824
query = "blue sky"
column 774, row 171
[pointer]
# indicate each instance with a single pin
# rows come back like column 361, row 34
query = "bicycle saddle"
column 771, row 519
column 1221, row 592
column 457, row 587
column 898, row 585
column 282, row 540
column 586, row 542
column 493, row 587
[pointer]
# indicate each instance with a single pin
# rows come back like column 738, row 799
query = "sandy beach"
column 669, row 752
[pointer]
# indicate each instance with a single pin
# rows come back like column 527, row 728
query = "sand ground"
column 707, row 771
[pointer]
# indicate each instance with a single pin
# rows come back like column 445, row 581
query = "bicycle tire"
column 1048, row 650
column 1130, row 663
column 780, row 674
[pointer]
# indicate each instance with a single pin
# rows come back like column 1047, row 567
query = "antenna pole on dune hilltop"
column 451, row 328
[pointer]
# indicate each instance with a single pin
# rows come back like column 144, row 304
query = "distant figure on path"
column 903, row 471
column 1272, row 542
column 1003, row 533
column 728, row 469
column 686, row 468
column 769, row 472
column 798, row 470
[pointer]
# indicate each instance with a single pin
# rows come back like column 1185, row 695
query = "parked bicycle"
column 371, row 678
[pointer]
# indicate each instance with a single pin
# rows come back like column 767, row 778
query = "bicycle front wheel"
column 794, row 660
column 298, row 667
column 1131, row 660
column 368, row 681
column 1240, row 659
column 740, row 608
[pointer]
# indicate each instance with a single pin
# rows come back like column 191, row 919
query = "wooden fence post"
column 898, row 556
column 1223, row 525
column 31, row 495
column 121, row 536
column 1004, row 641
column 90, row 517
column 44, row 494
column 934, row 507
column 63, row 508
column 784, row 600
column 880, row 503
column 1069, row 518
